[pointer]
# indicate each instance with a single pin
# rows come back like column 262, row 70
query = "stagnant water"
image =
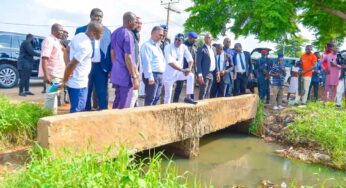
column 231, row 159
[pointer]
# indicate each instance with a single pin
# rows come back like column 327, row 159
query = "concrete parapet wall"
column 144, row 127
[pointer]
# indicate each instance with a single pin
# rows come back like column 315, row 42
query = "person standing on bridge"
column 79, row 64
column 124, row 74
column 101, row 64
column 175, row 54
column 206, row 66
column 154, row 65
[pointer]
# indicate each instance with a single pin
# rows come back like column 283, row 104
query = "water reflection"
column 229, row 159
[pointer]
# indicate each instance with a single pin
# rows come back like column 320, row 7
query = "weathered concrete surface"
column 145, row 127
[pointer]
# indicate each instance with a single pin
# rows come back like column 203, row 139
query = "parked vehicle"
column 9, row 51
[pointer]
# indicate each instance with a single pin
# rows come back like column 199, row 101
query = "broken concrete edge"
column 49, row 126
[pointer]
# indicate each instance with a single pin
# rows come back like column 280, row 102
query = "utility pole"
column 168, row 4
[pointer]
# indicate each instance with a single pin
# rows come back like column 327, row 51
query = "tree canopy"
column 270, row 20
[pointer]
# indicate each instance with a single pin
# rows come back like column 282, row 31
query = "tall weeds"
column 96, row 170
column 18, row 122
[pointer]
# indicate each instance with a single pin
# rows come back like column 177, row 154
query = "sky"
column 36, row 17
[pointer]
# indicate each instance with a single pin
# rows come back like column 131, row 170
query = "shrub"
column 18, row 122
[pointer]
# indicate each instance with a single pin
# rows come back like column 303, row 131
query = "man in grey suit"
column 243, row 67
column 205, row 67
column 224, row 66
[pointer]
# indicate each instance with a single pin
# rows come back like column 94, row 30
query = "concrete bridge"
column 142, row 128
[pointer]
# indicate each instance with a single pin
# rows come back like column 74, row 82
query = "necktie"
column 241, row 61
column 93, row 46
column 218, row 63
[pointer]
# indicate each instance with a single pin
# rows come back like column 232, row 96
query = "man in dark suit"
column 25, row 65
column 243, row 67
column 205, row 67
column 224, row 66
column 101, row 63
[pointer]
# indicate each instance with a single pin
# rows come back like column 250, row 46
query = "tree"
column 270, row 20
column 291, row 47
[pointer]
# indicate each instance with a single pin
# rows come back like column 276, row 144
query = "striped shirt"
column 278, row 74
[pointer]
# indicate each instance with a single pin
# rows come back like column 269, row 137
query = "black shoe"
column 22, row 94
column 338, row 106
column 190, row 101
column 29, row 93
column 44, row 91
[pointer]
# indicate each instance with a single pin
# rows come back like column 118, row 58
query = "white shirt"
column 81, row 50
column 222, row 61
column 97, row 54
column 152, row 59
column 175, row 55
column 212, row 58
column 238, row 66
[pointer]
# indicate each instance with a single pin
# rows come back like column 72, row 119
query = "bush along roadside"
column 96, row 170
column 18, row 122
column 315, row 133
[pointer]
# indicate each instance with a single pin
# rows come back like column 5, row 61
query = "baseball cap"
column 280, row 55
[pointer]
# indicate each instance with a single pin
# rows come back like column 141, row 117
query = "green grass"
column 255, row 126
column 96, row 170
column 18, row 122
column 322, row 125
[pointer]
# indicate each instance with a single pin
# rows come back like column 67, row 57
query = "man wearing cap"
column 242, row 62
column 153, row 65
column 205, row 67
column 262, row 67
column 101, row 63
column 190, row 43
column 164, row 41
column 175, row 54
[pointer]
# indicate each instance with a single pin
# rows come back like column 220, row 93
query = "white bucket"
column 51, row 101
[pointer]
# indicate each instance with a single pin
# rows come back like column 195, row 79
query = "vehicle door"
column 5, row 47
column 16, row 42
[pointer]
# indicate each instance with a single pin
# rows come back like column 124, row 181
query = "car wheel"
column 8, row 76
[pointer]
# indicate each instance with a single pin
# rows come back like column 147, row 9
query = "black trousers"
column 179, row 86
column 240, row 84
column 24, row 82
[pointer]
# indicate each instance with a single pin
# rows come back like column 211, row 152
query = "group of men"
column 305, row 74
column 96, row 54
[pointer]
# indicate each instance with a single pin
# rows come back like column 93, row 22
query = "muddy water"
column 229, row 159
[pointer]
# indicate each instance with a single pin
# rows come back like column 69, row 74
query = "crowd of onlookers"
column 159, row 68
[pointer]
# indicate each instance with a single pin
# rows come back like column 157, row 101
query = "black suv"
column 9, row 51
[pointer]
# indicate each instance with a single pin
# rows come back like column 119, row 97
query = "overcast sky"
column 74, row 13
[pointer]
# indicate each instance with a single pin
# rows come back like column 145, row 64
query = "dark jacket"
column 248, row 64
column 26, row 56
column 104, row 47
column 203, row 61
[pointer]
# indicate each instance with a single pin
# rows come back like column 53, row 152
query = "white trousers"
column 340, row 91
column 168, row 85
column 307, row 81
column 134, row 98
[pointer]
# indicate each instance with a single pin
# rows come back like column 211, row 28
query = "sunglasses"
column 179, row 39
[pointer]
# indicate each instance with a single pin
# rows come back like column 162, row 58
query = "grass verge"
column 18, row 122
column 96, row 170
column 256, row 124
column 323, row 125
